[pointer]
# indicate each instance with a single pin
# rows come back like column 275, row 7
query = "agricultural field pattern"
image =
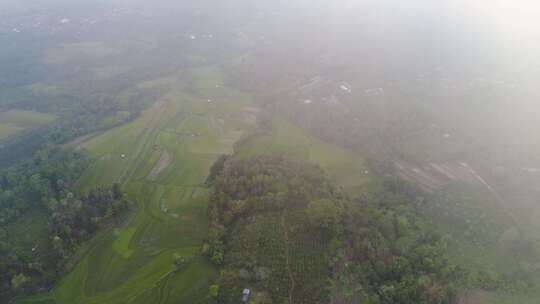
column 269, row 152
column 133, row 263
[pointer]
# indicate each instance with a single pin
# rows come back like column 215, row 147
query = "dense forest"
column 282, row 229
column 44, row 219
column 274, row 225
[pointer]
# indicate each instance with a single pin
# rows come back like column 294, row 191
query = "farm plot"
column 278, row 254
column 162, row 168
column 349, row 170
column 434, row 176
column 15, row 121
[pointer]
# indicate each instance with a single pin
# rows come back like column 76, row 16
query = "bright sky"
column 509, row 14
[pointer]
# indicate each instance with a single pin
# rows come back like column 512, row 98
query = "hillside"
column 163, row 164
column 312, row 151
column 134, row 261
column 282, row 229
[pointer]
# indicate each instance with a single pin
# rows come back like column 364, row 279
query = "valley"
column 133, row 263
column 307, row 152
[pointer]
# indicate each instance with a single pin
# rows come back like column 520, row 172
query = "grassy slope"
column 349, row 170
column 133, row 264
column 263, row 240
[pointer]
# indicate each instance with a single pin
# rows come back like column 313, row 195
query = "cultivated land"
column 15, row 121
column 162, row 159
column 463, row 209
column 134, row 263
column 346, row 168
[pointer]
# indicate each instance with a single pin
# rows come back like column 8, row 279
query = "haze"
column 277, row 152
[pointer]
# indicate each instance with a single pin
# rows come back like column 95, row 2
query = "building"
column 245, row 295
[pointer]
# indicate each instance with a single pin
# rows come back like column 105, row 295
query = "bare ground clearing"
column 164, row 161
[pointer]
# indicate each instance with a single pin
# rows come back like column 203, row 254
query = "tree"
column 217, row 252
column 324, row 214
column 117, row 191
column 213, row 291
column 179, row 262
column 19, row 280
column 216, row 169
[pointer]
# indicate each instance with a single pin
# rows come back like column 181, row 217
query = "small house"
column 245, row 295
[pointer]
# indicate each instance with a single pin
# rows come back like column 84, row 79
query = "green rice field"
column 134, row 263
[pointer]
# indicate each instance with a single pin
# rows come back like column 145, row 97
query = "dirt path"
column 77, row 143
column 164, row 161
column 287, row 256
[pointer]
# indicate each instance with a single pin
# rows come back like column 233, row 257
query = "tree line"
column 374, row 249
column 45, row 187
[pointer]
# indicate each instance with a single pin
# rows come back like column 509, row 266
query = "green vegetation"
column 15, row 121
column 7, row 130
column 43, row 220
column 121, row 244
column 304, row 203
column 395, row 254
column 138, row 262
column 280, row 228
column 273, row 225
column 363, row 271
column 347, row 169
column 494, row 242
column 275, row 219
column 499, row 254
column 26, row 119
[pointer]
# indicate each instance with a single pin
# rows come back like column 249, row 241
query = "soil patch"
column 164, row 161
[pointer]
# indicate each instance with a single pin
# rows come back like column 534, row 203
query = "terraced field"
column 162, row 159
column 134, row 263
